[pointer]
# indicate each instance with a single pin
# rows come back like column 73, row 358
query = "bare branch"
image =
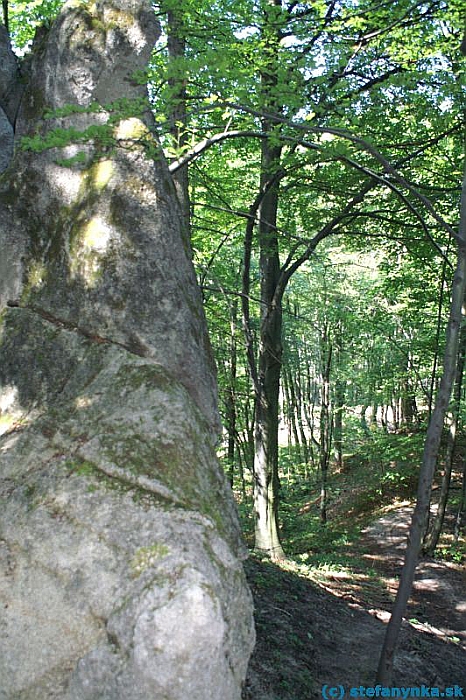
column 210, row 141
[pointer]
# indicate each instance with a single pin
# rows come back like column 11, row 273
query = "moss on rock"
column 145, row 557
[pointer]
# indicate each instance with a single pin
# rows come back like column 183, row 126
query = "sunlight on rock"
column 84, row 402
column 132, row 128
column 382, row 615
column 89, row 250
column 65, row 181
column 6, row 423
column 117, row 18
column 11, row 413
column 102, row 174
column 8, row 398
column 97, row 234
column 118, row 531
column 9, row 442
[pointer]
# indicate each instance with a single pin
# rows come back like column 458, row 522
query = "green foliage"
column 25, row 17
column 79, row 159
column 452, row 552
column 103, row 136
column 70, row 109
column 59, row 138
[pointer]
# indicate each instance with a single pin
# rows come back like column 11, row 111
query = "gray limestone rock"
column 10, row 94
column 10, row 85
column 120, row 549
column 6, row 141
column 120, row 574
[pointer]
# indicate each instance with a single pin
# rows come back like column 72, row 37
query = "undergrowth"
column 379, row 472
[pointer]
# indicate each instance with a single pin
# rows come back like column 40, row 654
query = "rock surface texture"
column 10, row 94
column 120, row 550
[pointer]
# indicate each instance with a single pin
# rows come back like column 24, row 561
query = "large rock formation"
column 120, row 573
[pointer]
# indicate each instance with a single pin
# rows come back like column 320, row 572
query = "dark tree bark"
column 5, row 15
column 339, row 404
column 293, row 408
column 269, row 368
column 462, row 505
column 325, row 422
column 432, row 537
column 230, row 400
column 266, row 480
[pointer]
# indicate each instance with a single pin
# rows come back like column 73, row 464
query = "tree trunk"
column 266, row 480
column 299, row 401
column 325, row 424
column 433, row 379
column 231, row 394
column 5, row 15
column 462, row 506
column 429, row 459
column 339, row 406
column 292, row 411
column 432, row 537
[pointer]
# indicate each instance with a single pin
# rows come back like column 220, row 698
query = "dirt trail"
column 331, row 632
column 438, row 601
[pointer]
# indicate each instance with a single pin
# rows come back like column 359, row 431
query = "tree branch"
column 211, row 141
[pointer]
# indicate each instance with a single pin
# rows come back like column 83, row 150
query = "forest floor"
column 326, row 624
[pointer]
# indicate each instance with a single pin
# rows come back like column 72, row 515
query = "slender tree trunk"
column 407, row 409
column 293, row 411
column 363, row 419
column 266, row 382
column 339, row 405
column 462, row 505
column 325, row 424
column 338, row 424
column 231, row 394
column 241, row 473
column 299, row 391
column 249, row 417
column 433, row 379
column 431, row 450
column 432, row 537
column 266, row 479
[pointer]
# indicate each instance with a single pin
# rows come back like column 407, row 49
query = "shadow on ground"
column 309, row 635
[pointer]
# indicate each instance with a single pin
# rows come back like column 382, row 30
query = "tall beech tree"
column 330, row 94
